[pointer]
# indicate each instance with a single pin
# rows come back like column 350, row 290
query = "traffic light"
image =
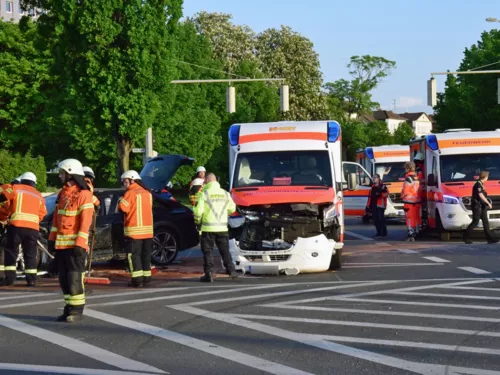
column 284, row 103
column 431, row 92
column 231, row 99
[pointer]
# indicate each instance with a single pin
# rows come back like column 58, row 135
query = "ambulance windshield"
column 391, row 172
column 455, row 168
column 283, row 168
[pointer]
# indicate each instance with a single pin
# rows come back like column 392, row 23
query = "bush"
column 13, row 165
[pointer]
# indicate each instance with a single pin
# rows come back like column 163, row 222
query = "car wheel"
column 165, row 247
column 336, row 262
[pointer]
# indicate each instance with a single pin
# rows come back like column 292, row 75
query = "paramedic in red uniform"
column 410, row 195
column 377, row 203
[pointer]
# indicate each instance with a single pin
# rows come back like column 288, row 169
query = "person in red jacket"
column 69, row 237
column 377, row 203
column 411, row 197
column 137, row 205
column 25, row 209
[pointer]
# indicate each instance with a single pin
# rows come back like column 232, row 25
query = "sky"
column 421, row 36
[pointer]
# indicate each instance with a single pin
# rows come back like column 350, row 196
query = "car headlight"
column 449, row 199
column 247, row 212
column 329, row 212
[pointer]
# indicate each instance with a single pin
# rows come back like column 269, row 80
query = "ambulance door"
column 432, row 171
column 355, row 201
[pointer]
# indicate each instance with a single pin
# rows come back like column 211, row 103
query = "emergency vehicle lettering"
column 391, row 154
column 449, row 143
column 315, row 136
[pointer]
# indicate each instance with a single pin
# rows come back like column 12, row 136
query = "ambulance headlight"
column 333, row 131
column 234, row 135
column 448, row 199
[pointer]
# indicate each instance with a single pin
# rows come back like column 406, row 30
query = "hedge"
column 13, row 165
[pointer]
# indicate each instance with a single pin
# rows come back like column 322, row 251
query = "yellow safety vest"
column 213, row 207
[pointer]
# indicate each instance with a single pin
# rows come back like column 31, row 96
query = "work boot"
column 74, row 318
column 233, row 274
column 147, row 281
column 62, row 318
column 31, row 280
column 207, row 278
column 135, row 284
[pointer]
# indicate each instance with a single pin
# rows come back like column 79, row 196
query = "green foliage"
column 378, row 134
column 470, row 101
column 13, row 165
column 354, row 136
column 403, row 134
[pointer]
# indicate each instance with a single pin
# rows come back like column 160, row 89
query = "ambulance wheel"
column 336, row 262
column 444, row 235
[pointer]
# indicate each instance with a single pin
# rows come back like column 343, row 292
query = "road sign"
column 138, row 150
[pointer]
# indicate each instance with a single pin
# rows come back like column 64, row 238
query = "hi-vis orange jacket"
column 137, row 205
column 411, row 189
column 95, row 200
column 6, row 195
column 26, row 208
column 72, row 218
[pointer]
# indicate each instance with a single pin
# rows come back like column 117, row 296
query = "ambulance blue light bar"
column 432, row 142
column 234, row 135
column 369, row 153
column 333, row 131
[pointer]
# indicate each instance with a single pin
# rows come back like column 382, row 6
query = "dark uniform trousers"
column 27, row 238
column 139, row 259
column 479, row 212
column 208, row 242
column 70, row 265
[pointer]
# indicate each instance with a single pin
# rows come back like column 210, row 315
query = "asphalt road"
column 394, row 308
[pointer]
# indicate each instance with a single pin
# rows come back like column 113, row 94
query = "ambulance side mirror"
column 431, row 180
column 352, row 181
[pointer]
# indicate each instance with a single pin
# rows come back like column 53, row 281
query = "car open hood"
column 159, row 170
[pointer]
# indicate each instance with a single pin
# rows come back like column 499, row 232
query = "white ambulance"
column 388, row 162
column 452, row 163
column 287, row 180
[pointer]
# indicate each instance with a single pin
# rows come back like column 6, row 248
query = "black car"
column 174, row 226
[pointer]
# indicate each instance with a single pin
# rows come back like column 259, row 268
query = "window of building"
column 8, row 6
column 20, row 10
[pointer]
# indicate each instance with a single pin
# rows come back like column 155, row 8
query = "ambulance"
column 452, row 163
column 388, row 162
column 287, row 180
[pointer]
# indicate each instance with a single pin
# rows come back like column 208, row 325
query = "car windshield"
column 283, row 168
column 391, row 172
column 467, row 167
column 50, row 203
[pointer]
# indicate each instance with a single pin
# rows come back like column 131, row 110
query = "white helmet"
column 198, row 181
column 72, row 167
column 169, row 185
column 419, row 156
column 133, row 175
column 29, row 176
column 200, row 169
column 88, row 172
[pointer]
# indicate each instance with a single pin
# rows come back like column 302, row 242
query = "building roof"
column 413, row 116
column 387, row 115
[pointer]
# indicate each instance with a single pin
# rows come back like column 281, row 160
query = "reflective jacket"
column 382, row 198
column 6, row 195
column 26, row 208
column 213, row 207
column 95, row 200
column 137, row 205
column 411, row 189
column 193, row 192
column 72, row 218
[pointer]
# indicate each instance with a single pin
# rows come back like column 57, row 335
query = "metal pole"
column 468, row 72
column 229, row 80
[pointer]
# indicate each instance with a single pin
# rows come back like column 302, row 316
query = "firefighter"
column 69, row 237
column 212, row 209
column 137, row 205
column 25, row 209
column 195, row 187
column 89, row 179
column 420, row 171
column 410, row 195
column 6, row 194
column 377, row 203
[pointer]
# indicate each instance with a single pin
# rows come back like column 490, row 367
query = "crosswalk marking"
column 475, row 270
column 436, row 259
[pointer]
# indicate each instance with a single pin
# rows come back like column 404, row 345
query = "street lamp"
column 492, row 19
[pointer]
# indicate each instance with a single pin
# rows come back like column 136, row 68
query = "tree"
column 403, row 134
column 354, row 97
column 285, row 53
column 116, row 60
column 470, row 101
column 354, row 137
column 378, row 134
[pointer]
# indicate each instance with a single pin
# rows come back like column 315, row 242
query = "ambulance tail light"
column 234, row 135
column 432, row 142
column 333, row 131
column 369, row 153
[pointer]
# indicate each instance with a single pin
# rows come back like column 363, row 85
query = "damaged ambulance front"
column 286, row 183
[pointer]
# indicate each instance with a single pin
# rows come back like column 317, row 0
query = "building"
column 10, row 10
column 393, row 120
column 419, row 121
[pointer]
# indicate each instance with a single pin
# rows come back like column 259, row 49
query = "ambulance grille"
column 273, row 258
column 495, row 201
column 395, row 197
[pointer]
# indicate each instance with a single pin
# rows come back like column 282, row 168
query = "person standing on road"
column 69, row 237
column 410, row 195
column 420, row 171
column 377, row 203
column 211, row 212
column 25, row 209
column 137, row 205
column 480, row 205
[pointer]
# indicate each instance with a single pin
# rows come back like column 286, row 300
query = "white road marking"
column 408, row 251
column 64, row 370
column 436, row 259
column 204, row 346
column 440, row 295
column 471, row 288
column 475, row 270
column 78, row 346
column 358, row 236
column 315, row 341
column 368, row 325
column 397, row 265
column 383, row 312
column 27, row 295
column 418, row 303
